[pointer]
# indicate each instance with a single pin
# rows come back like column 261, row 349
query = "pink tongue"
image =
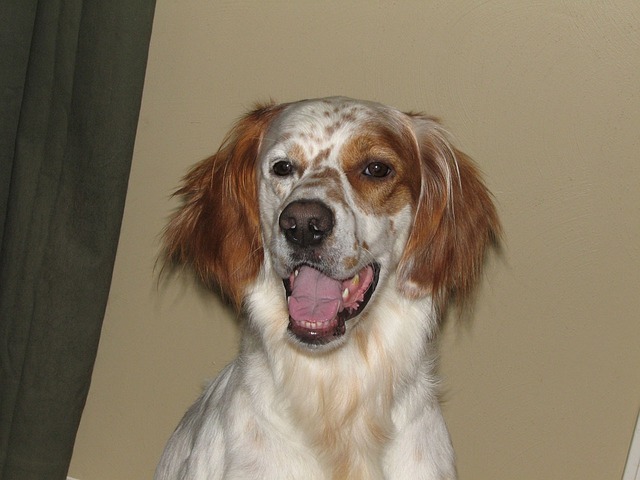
column 315, row 297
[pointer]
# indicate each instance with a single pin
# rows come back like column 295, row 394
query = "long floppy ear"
column 454, row 224
column 216, row 230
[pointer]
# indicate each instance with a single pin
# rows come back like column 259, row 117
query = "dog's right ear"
column 216, row 229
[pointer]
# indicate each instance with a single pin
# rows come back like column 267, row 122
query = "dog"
column 342, row 229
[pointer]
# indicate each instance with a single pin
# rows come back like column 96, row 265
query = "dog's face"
column 335, row 198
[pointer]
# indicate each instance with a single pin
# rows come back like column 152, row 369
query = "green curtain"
column 71, row 77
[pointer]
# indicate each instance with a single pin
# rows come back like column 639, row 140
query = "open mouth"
column 320, row 305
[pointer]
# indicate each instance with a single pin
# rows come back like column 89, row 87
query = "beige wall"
column 544, row 383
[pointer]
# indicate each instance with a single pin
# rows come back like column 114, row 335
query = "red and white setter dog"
column 342, row 229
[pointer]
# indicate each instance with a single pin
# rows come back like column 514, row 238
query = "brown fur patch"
column 216, row 230
column 386, row 195
column 328, row 181
column 362, row 340
column 455, row 224
column 322, row 155
column 327, row 173
column 350, row 262
column 350, row 116
column 331, row 129
column 297, row 154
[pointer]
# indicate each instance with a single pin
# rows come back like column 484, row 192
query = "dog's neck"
column 345, row 400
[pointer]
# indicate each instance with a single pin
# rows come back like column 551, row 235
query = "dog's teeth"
column 345, row 294
column 296, row 272
column 356, row 279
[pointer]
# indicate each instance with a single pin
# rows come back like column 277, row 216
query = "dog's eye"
column 377, row 169
column 283, row 168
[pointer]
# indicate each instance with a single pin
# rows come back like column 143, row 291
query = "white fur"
column 284, row 410
column 251, row 420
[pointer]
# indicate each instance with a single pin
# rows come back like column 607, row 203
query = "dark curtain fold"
column 71, row 77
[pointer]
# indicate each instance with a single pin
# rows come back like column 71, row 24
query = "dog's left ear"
column 455, row 221
column 216, row 230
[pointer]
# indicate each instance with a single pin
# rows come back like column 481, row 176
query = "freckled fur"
column 297, row 153
column 365, row 406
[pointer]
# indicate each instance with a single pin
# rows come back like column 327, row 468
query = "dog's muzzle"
column 319, row 305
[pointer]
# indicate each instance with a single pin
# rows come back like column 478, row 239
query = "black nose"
column 306, row 223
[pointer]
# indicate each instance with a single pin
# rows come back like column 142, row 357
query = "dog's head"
column 335, row 198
